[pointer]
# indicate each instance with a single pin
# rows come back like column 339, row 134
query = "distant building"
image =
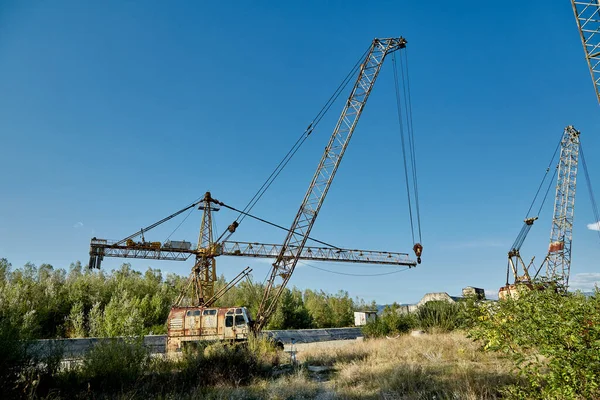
column 442, row 296
column 470, row 291
column 362, row 317
column 439, row 296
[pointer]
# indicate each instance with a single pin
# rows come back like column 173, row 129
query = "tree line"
column 47, row 302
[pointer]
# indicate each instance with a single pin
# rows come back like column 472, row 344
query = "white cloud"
column 594, row 227
column 78, row 225
column 585, row 281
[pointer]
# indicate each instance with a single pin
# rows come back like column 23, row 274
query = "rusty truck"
column 189, row 325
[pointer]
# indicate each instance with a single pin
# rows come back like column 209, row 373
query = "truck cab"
column 189, row 325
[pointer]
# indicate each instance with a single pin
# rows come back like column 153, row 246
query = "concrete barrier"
column 76, row 348
column 156, row 344
column 314, row 335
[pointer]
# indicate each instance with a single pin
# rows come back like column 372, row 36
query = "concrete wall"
column 156, row 344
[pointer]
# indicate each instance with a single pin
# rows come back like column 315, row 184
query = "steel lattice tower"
column 558, row 260
column 587, row 15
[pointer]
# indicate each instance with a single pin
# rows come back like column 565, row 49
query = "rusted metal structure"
column 188, row 325
column 587, row 15
column 186, row 322
column 557, row 262
column 203, row 275
column 298, row 234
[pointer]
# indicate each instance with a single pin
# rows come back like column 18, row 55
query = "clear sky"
column 115, row 114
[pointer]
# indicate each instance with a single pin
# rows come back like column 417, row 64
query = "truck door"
column 241, row 324
column 229, row 331
column 193, row 322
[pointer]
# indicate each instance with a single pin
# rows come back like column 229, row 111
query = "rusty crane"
column 192, row 317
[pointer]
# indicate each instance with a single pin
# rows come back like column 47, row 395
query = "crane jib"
column 309, row 209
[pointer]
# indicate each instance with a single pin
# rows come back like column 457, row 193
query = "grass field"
column 437, row 366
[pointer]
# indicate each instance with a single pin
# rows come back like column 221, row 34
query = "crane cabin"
column 189, row 325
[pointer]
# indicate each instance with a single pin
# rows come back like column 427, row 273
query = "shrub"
column 390, row 323
column 113, row 364
column 438, row 315
column 13, row 357
column 265, row 350
column 553, row 338
column 220, row 363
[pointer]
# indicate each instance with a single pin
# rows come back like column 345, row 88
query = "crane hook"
column 418, row 249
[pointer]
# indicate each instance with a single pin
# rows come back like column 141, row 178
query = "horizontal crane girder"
column 107, row 248
column 332, row 254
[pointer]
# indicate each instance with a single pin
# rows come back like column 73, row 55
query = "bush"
column 26, row 368
column 391, row 322
column 553, row 338
column 222, row 363
column 266, row 351
column 13, row 357
column 440, row 316
column 113, row 364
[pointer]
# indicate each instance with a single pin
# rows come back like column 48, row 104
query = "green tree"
column 122, row 316
column 76, row 322
column 291, row 312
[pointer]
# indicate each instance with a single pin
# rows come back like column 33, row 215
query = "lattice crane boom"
column 558, row 260
column 587, row 15
column 557, row 263
column 203, row 275
column 309, row 209
column 105, row 248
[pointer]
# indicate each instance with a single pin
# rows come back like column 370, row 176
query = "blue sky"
column 115, row 114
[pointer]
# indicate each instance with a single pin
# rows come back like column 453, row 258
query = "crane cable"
column 542, row 182
column 178, row 226
column 416, row 217
column 276, row 225
column 527, row 227
column 591, row 192
column 286, row 159
column 347, row 274
column 316, row 120
column 516, row 246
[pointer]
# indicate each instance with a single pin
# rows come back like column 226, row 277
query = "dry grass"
column 439, row 366
column 436, row 366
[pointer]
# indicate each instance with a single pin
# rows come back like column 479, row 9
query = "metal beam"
column 587, row 15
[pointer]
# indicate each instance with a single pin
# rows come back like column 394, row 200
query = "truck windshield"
column 239, row 320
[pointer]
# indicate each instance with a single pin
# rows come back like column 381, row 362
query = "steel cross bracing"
column 307, row 214
column 111, row 248
column 587, row 15
column 107, row 248
column 262, row 250
column 204, row 271
column 558, row 260
column 515, row 262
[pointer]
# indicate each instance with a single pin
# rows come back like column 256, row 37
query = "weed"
column 115, row 364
